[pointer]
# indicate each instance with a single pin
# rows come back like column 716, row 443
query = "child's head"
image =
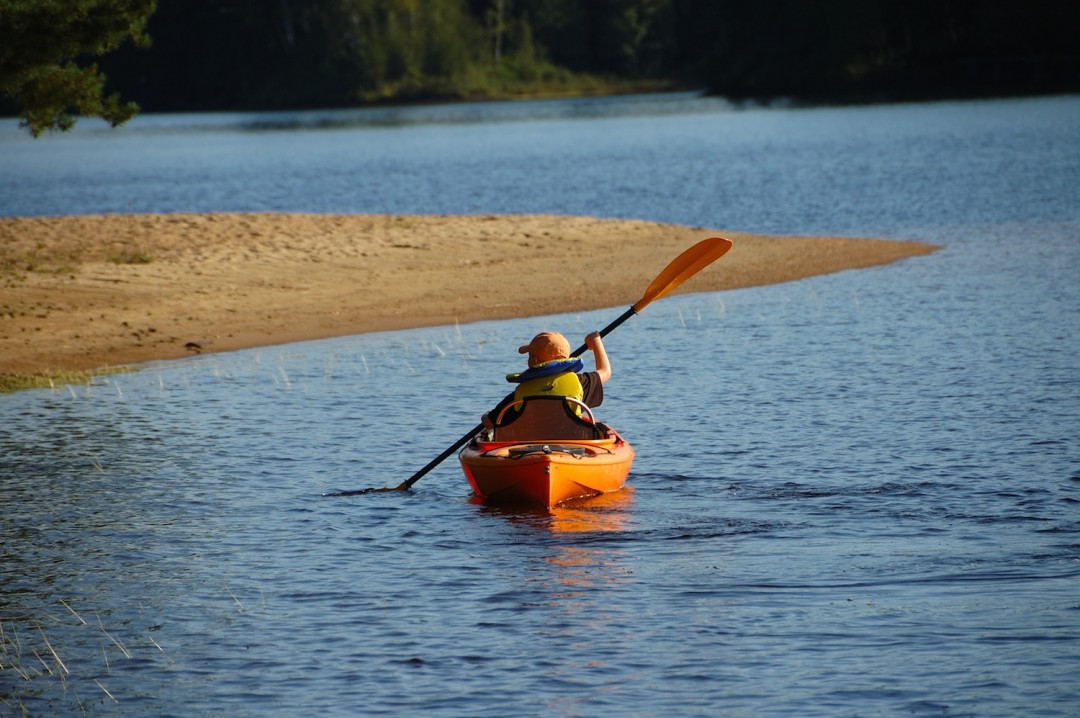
column 545, row 347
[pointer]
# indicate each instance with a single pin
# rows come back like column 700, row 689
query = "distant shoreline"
column 84, row 293
column 852, row 98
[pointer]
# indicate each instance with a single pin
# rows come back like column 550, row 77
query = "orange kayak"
column 543, row 463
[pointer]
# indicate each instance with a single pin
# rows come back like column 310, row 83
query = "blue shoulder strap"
column 548, row 368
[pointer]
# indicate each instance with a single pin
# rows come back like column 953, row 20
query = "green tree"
column 280, row 54
column 41, row 45
column 413, row 47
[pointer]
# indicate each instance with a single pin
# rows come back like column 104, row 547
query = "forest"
column 197, row 55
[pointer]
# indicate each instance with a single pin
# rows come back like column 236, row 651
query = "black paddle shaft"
column 606, row 330
column 407, row 484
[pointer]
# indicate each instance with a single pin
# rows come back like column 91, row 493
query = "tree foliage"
column 272, row 54
column 41, row 44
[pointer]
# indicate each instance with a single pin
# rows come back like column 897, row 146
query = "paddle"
column 681, row 268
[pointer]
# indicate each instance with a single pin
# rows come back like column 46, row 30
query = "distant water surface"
column 857, row 494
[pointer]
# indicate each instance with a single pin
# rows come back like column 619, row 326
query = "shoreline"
column 91, row 292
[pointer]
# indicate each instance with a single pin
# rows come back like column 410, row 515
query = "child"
column 553, row 372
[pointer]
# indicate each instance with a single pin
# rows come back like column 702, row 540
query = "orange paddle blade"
column 683, row 267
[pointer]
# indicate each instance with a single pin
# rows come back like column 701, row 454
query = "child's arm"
column 603, row 364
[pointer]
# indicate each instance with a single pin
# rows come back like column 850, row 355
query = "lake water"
column 854, row 495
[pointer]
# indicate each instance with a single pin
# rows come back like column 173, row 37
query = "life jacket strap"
column 548, row 368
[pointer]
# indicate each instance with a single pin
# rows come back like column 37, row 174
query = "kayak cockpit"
column 547, row 418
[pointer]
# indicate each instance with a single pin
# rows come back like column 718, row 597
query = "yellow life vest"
column 564, row 384
column 553, row 378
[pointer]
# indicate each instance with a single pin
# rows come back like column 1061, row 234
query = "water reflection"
column 402, row 116
column 578, row 565
column 466, row 113
column 604, row 513
column 607, row 512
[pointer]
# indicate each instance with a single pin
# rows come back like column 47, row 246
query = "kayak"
column 546, row 474
column 546, row 454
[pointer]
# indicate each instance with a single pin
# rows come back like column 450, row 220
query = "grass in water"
column 17, row 381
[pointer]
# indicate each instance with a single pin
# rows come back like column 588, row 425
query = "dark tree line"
column 881, row 49
column 267, row 54
column 214, row 54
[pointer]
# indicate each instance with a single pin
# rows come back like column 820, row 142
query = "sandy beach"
column 89, row 292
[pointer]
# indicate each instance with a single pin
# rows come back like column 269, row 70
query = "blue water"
column 854, row 495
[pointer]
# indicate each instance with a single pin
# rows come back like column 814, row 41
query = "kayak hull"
column 539, row 473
